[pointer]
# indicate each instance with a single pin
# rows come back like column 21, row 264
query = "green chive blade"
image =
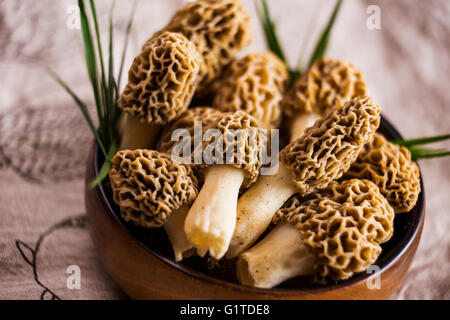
column 101, row 175
column 269, row 30
column 311, row 26
column 110, row 89
column 322, row 43
column 102, row 89
column 294, row 75
column 431, row 155
column 125, row 46
column 420, row 141
column 99, row 45
column 104, row 170
column 83, row 109
column 104, row 85
column 90, row 56
column 426, row 150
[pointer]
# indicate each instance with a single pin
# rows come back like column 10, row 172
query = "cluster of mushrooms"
column 323, row 211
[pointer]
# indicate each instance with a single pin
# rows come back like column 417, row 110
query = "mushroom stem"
column 211, row 220
column 256, row 207
column 136, row 134
column 277, row 258
column 175, row 230
column 301, row 122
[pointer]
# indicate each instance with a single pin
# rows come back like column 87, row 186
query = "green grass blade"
column 420, row 156
column 105, row 88
column 293, row 76
column 426, row 150
column 104, row 170
column 111, row 88
column 99, row 44
column 269, row 30
column 103, row 173
column 322, row 44
column 83, row 109
column 305, row 43
column 125, row 45
column 103, row 93
column 420, row 141
column 117, row 111
column 91, row 63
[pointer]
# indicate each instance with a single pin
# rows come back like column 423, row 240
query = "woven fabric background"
column 44, row 140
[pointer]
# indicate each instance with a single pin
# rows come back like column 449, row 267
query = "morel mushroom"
column 326, row 86
column 186, row 120
column 254, row 84
column 161, row 84
column 211, row 220
column 323, row 154
column 331, row 234
column 153, row 191
column 391, row 168
column 218, row 28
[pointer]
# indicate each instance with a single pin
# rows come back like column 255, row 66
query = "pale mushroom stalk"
column 187, row 121
column 278, row 257
column 306, row 165
column 255, row 208
column 211, row 220
column 136, row 134
column 301, row 122
column 174, row 227
column 330, row 234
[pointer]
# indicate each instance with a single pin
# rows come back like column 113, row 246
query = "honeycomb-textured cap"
column 391, row 168
column 327, row 149
column 186, row 121
column 342, row 226
column 326, row 86
column 360, row 193
column 218, row 28
column 162, row 79
column 240, row 135
column 148, row 186
column 254, row 84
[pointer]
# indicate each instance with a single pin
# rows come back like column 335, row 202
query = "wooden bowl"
column 144, row 272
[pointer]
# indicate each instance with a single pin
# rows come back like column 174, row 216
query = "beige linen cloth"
column 44, row 140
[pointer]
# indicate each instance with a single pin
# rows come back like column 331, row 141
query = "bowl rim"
column 391, row 258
